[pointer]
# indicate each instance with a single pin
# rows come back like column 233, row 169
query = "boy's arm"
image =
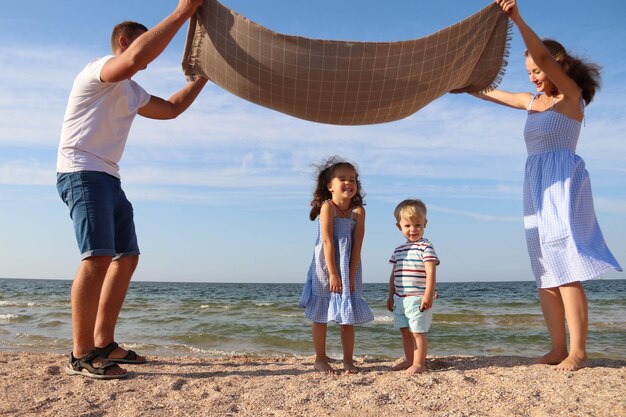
column 431, row 281
column 149, row 45
column 158, row 108
column 392, row 290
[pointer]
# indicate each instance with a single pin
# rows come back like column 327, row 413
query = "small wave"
column 137, row 346
column 53, row 323
column 216, row 307
column 8, row 317
column 212, row 352
column 383, row 319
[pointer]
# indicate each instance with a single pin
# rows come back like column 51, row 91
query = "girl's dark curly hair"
column 325, row 173
column 586, row 74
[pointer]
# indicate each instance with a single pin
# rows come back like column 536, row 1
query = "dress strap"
column 532, row 100
column 329, row 201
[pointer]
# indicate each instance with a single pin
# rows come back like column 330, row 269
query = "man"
column 101, row 107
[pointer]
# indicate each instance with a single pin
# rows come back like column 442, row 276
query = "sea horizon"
column 176, row 318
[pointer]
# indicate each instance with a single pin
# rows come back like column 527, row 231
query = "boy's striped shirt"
column 409, row 271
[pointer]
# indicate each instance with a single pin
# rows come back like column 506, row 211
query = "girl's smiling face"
column 343, row 185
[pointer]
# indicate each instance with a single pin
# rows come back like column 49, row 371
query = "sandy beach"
column 34, row 384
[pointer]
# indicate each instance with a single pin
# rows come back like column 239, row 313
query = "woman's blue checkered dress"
column 564, row 240
column 322, row 306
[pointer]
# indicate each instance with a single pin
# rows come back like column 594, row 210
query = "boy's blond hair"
column 409, row 209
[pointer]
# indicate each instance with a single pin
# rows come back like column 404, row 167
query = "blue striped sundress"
column 564, row 240
column 322, row 306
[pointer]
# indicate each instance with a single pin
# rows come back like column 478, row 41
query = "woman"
column 564, row 240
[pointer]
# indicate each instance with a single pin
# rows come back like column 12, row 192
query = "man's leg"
column 112, row 298
column 85, row 296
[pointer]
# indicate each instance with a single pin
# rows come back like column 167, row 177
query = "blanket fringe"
column 505, row 60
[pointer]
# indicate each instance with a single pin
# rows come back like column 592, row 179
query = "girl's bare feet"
column 553, row 357
column 416, row 369
column 572, row 363
column 402, row 365
column 350, row 368
column 322, row 365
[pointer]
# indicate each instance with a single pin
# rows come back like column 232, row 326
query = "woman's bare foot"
column 416, row 369
column 402, row 366
column 350, row 368
column 323, row 366
column 552, row 357
column 572, row 363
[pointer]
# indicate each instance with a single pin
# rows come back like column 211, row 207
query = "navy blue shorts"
column 102, row 215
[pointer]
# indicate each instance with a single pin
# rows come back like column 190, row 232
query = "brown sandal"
column 131, row 356
column 84, row 367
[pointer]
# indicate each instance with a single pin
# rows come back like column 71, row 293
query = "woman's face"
column 538, row 77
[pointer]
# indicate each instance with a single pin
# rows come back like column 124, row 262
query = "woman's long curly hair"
column 586, row 74
column 325, row 174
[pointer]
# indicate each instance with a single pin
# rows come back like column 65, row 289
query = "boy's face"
column 413, row 228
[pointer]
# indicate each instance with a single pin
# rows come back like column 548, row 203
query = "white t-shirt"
column 97, row 121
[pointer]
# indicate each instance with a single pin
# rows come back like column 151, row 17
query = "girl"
column 333, row 288
column 564, row 240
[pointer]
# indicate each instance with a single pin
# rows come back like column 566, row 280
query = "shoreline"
column 34, row 383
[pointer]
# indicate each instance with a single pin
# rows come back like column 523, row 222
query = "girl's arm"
column 327, row 215
column 542, row 58
column 357, row 242
column 431, row 282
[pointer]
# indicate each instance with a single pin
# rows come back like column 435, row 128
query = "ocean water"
column 212, row 319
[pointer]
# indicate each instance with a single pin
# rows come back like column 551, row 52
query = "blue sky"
column 222, row 193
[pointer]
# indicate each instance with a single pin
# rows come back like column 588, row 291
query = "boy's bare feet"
column 402, row 365
column 416, row 369
column 350, row 368
column 572, row 363
column 323, row 366
column 553, row 357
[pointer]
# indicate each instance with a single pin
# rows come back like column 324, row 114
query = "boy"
column 412, row 285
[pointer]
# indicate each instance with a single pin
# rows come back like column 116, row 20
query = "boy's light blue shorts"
column 102, row 215
column 406, row 313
